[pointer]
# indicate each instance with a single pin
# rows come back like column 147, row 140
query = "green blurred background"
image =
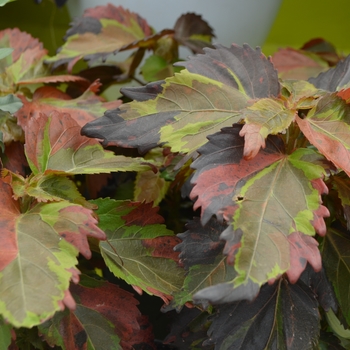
column 297, row 22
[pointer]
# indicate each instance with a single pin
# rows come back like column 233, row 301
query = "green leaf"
column 10, row 103
column 54, row 143
column 5, row 335
column 5, row 51
column 4, row 2
column 139, row 248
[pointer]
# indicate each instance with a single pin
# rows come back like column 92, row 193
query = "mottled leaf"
column 336, row 260
column 53, row 143
column 327, row 127
column 48, row 99
column 221, row 170
column 283, row 316
column 106, row 317
column 205, row 97
column 100, row 31
column 139, row 248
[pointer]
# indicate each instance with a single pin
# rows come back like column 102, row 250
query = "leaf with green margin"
column 327, row 127
column 5, row 335
column 139, row 248
column 100, row 31
column 267, row 215
column 336, row 261
column 206, row 96
column 54, row 143
column 265, row 117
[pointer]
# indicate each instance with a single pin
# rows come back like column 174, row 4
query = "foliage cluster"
column 249, row 156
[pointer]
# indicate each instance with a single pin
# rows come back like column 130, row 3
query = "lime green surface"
column 298, row 21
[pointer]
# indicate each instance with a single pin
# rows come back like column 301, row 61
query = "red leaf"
column 163, row 247
column 9, row 213
column 303, row 250
column 143, row 215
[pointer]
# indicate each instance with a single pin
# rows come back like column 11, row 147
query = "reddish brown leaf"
column 64, row 78
column 142, row 215
column 48, row 99
column 15, row 158
column 163, row 247
column 297, row 64
column 303, row 250
column 9, row 213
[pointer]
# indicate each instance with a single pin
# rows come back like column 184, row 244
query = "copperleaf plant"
column 222, row 190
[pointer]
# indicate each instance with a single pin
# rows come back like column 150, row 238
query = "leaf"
column 34, row 283
column 297, row 64
column 264, row 117
column 336, row 261
column 262, row 324
column 267, row 215
column 334, row 79
column 9, row 242
column 188, row 330
column 48, row 187
column 10, row 103
column 5, row 51
column 202, row 99
column 220, row 169
column 48, row 99
column 5, row 335
column 100, row 31
column 201, row 254
column 342, row 186
column 27, row 59
column 139, row 248
column 193, row 32
column 106, row 317
column 53, row 143
column 326, row 126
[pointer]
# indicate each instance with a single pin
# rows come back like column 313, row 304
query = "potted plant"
column 220, row 191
